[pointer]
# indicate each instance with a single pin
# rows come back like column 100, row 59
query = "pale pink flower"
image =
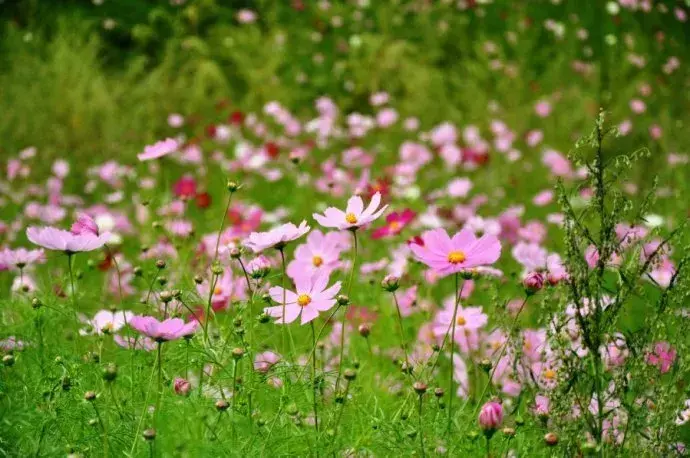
column 61, row 240
column 161, row 331
column 159, row 149
column 277, row 237
column 133, row 343
column 311, row 297
column 354, row 216
column 21, row 257
column 263, row 362
column 105, row 322
column 85, row 224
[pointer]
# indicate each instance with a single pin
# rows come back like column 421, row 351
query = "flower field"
column 357, row 228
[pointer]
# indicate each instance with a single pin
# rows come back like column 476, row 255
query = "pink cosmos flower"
column 320, row 254
column 446, row 255
column 277, row 237
column 105, row 322
column 85, row 224
column 354, row 216
column 61, row 240
column 21, row 257
column 263, row 362
column 663, row 356
column 395, row 223
column 461, row 376
column 159, row 149
column 161, row 331
column 311, row 297
column 227, row 287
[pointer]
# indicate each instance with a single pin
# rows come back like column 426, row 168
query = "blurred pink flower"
column 159, row 149
column 277, row 237
column 161, row 331
column 61, row 240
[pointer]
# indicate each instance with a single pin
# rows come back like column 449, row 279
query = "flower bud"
column 490, row 417
column 110, row 372
column 182, row 386
column 138, row 272
column 233, row 186
column 350, row 374
column 439, row 392
column 90, row 396
column 420, row 387
column 235, row 252
column 36, row 303
column 222, row 405
column 342, row 299
column 485, row 365
column 166, row 296
column 8, row 360
column 390, row 283
column 217, row 269
column 551, row 439
column 364, row 330
column 149, row 434
column 237, row 353
column 259, row 267
column 160, row 264
column 533, row 282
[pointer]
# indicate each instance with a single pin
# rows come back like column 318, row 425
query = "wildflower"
column 263, row 362
column 105, row 322
column 533, row 282
column 57, row 239
column 159, row 149
column 259, row 267
column 21, row 257
column 161, row 331
column 85, row 224
column 277, row 237
column 143, row 343
column 354, row 216
column 311, row 297
column 182, row 386
column 320, row 254
column 395, row 223
column 464, row 251
column 663, row 356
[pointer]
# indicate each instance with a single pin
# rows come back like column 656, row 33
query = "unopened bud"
column 390, row 283
column 222, row 405
column 237, row 353
column 364, row 330
column 551, row 439
column 233, row 186
column 350, row 374
column 90, row 396
column 110, row 372
column 8, row 360
column 420, row 387
column 342, row 299
column 149, row 434
column 160, row 264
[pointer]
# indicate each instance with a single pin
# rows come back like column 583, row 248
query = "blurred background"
column 98, row 78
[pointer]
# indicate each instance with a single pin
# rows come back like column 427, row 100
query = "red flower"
column 272, row 150
column 237, row 118
column 203, row 200
column 395, row 223
column 185, row 187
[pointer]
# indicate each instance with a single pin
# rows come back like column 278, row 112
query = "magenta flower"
column 464, row 251
column 159, row 149
column 354, row 216
column 84, row 224
column 57, row 239
column 161, row 331
column 663, row 356
column 312, row 296
column 277, row 237
column 21, row 257
column 395, row 223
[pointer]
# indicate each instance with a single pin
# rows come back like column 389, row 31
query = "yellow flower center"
column 528, row 344
column 495, row 345
column 107, row 328
column 218, row 290
column 394, row 226
column 456, row 257
column 549, row 374
column 303, row 300
column 317, row 261
column 351, row 218
column 461, row 321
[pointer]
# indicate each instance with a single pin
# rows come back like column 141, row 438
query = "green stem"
column 451, row 394
column 315, row 387
column 342, row 323
column 419, row 427
column 403, row 343
column 159, row 361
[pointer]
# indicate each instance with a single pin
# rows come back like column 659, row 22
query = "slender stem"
column 234, row 385
column 246, row 277
column 143, row 412
column 340, row 412
column 159, row 362
column 500, row 356
column 287, row 334
column 313, row 375
column 207, row 316
column 403, row 343
column 488, row 447
column 451, row 394
column 103, row 427
column 419, row 426
column 71, row 281
column 222, row 224
column 342, row 328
